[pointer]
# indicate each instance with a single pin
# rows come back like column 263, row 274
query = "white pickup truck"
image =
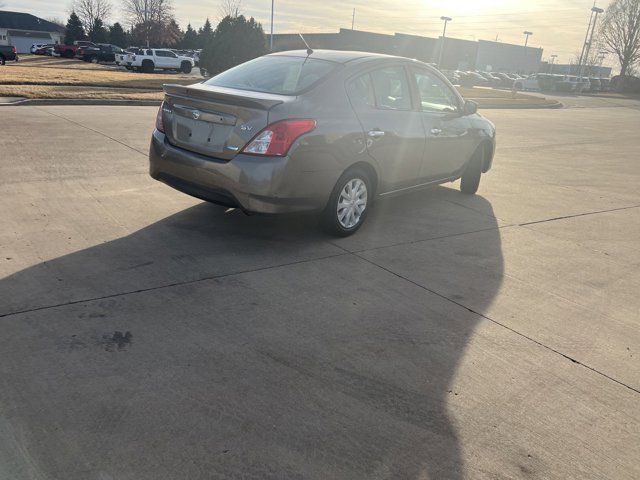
column 148, row 60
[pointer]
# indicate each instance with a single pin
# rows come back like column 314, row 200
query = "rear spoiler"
column 261, row 101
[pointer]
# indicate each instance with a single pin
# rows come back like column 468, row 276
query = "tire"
column 518, row 86
column 470, row 180
column 185, row 67
column 346, row 221
column 94, row 60
column 2, row 60
column 147, row 66
column 68, row 54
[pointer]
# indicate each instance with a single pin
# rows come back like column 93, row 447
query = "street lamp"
column 526, row 41
column 595, row 11
column 553, row 60
column 444, row 34
column 271, row 36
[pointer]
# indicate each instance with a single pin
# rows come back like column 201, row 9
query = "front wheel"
column 185, row 67
column 471, row 177
column 348, row 205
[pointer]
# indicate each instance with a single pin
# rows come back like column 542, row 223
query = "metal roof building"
column 23, row 30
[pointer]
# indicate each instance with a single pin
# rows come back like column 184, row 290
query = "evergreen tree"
column 235, row 41
column 98, row 32
column 117, row 35
column 205, row 34
column 74, row 30
column 189, row 39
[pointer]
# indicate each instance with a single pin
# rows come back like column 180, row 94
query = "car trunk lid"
column 215, row 121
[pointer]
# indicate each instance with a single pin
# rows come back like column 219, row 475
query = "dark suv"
column 325, row 130
column 7, row 53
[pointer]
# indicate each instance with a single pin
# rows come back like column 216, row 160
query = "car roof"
column 338, row 56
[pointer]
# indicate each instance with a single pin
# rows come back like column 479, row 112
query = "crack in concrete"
column 551, row 349
column 578, row 215
column 93, row 130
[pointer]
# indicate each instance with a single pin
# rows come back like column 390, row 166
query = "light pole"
column 595, row 11
column 553, row 60
column 271, row 36
column 444, row 34
column 526, row 42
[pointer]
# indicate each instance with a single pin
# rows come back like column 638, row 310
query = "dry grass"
column 96, row 78
column 73, row 92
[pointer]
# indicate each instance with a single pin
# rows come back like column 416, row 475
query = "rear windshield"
column 275, row 74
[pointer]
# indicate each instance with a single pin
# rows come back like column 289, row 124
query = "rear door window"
column 275, row 74
column 360, row 91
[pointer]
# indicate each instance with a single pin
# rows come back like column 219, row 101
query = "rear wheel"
column 185, row 67
column 68, row 54
column 349, row 203
column 147, row 66
column 2, row 60
column 471, row 177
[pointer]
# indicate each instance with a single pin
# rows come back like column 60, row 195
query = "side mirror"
column 470, row 107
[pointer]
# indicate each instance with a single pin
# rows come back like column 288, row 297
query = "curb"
column 83, row 101
column 551, row 106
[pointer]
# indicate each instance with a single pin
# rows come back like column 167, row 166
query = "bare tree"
column 149, row 17
column 144, row 11
column 229, row 8
column 90, row 10
column 620, row 32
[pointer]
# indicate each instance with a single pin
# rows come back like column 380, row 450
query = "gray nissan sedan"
column 326, row 131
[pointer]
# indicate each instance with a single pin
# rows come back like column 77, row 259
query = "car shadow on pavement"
column 289, row 356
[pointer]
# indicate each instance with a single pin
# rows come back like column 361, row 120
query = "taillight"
column 14, row 50
column 276, row 139
column 159, row 119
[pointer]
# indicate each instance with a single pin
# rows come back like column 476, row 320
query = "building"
column 506, row 57
column 457, row 54
column 23, row 30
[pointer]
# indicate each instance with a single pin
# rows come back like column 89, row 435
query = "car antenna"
column 309, row 51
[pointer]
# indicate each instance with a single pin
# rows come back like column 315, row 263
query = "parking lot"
column 148, row 335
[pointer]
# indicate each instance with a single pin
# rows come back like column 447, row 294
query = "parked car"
column 595, row 85
column 101, row 52
column 452, row 76
column 491, row 78
column 37, row 46
column 582, row 85
column 505, row 80
column 148, row 60
column 121, row 57
column 565, row 83
column 528, row 83
column 472, row 79
column 43, row 49
column 8, row 53
column 69, row 51
column 325, row 131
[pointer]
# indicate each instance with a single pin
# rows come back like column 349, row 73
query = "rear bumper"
column 253, row 184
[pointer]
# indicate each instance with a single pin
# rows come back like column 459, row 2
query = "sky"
column 558, row 26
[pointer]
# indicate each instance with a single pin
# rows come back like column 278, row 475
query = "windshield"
column 275, row 74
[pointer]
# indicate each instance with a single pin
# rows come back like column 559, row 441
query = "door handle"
column 436, row 131
column 375, row 133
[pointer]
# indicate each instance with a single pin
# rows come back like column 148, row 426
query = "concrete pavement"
column 149, row 336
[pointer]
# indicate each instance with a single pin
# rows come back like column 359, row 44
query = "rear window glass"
column 275, row 74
